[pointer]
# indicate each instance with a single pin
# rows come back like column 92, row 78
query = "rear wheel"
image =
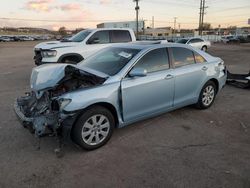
column 94, row 128
column 207, row 95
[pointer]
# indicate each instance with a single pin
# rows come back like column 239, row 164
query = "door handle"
column 204, row 68
column 169, row 76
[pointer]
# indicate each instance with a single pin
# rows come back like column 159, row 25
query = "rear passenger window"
column 155, row 60
column 121, row 36
column 182, row 56
column 199, row 58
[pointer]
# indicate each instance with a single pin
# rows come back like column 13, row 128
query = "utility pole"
column 137, row 8
column 202, row 18
column 153, row 22
column 202, row 13
column 174, row 23
column 201, row 5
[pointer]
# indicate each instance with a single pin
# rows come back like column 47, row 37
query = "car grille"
column 38, row 57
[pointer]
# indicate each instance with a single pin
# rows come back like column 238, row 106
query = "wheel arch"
column 216, row 82
column 75, row 55
column 106, row 105
column 204, row 45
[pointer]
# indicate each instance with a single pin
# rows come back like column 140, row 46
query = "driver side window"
column 155, row 60
column 99, row 37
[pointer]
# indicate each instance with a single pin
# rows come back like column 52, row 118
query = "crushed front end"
column 40, row 115
column 41, row 110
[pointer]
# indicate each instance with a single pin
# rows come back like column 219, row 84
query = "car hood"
column 55, row 44
column 49, row 75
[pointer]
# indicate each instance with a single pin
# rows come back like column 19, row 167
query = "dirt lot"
column 184, row 148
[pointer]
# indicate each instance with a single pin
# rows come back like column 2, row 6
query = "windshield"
column 182, row 41
column 79, row 37
column 110, row 60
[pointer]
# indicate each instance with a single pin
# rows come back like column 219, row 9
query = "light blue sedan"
column 116, row 87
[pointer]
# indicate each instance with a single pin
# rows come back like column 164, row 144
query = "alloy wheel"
column 208, row 95
column 95, row 129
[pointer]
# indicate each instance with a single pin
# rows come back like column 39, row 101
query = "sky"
column 52, row 14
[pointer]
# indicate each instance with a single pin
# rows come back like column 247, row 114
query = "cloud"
column 70, row 7
column 105, row 2
column 39, row 5
column 48, row 5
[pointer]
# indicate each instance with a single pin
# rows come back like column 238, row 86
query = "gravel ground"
column 183, row 148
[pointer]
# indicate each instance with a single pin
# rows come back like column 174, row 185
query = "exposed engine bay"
column 40, row 111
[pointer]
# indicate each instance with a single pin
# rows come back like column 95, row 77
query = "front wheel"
column 207, row 95
column 94, row 128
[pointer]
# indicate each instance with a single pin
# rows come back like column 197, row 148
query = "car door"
column 190, row 71
column 144, row 96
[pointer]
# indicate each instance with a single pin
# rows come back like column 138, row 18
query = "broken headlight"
column 49, row 53
column 63, row 103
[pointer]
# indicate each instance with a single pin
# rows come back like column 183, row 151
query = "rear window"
column 199, row 58
column 182, row 57
column 120, row 36
column 195, row 40
column 182, row 41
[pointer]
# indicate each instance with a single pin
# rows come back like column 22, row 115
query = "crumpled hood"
column 55, row 44
column 48, row 75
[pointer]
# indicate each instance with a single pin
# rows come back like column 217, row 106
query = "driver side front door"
column 153, row 93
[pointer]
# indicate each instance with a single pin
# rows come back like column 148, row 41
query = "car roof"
column 147, row 45
column 104, row 29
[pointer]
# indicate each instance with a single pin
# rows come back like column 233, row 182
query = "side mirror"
column 138, row 72
column 94, row 41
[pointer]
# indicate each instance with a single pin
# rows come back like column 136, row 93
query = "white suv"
column 81, row 45
column 196, row 42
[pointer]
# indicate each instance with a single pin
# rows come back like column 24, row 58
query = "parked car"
column 195, row 42
column 230, row 39
column 117, row 86
column 80, row 46
column 5, row 39
column 243, row 39
column 26, row 38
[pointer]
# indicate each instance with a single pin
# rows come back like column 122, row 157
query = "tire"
column 207, row 95
column 204, row 48
column 85, row 133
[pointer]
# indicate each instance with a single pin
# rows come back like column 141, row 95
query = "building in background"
column 158, row 32
column 126, row 24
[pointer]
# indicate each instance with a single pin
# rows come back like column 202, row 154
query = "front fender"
column 81, row 99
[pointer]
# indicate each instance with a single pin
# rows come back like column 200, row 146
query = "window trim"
column 169, row 60
column 172, row 57
column 190, row 41
column 195, row 58
column 87, row 42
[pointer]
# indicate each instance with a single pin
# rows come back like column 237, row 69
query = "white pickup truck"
column 81, row 45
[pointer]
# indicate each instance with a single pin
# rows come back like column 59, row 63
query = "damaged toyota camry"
column 115, row 87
